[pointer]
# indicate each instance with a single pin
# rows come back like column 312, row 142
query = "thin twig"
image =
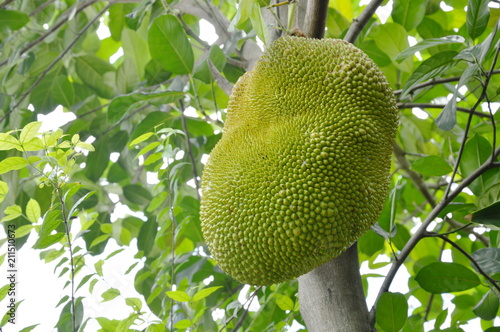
column 420, row 232
column 62, row 21
column 438, row 81
column 189, row 149
column 53, row 63
column 441, row 106
column 249, row 300
column 5, row 3
column 359, row 23
column 469, row 121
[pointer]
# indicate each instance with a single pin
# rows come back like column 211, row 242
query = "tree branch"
column 359, row 23
column 315, row 21
column 438, row 81
column 428, row 105
column 53, row 63
column 421, row 231
column 62, row 21
column 190, row 150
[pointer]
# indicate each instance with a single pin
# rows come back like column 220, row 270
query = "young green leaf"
column 392, row 311
column 110, row 294
column 179, row 296
column 33, row 211
column 12, row 163
column 284, row 302
column 4, row 189
column 430, row 68
column 201, row 294
column 424, row 44
column 8, row 142
column 183, row 324
column 47, row 240
column 169, row 45
column 12, row 212
column 439, row 277
column 408, row 13
column 431, row 166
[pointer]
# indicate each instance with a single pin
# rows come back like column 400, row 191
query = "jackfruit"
column 302, row 168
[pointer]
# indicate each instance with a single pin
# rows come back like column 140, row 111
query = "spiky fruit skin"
column 302, row 168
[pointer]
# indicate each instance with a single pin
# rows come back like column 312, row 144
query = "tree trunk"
column 331, row 296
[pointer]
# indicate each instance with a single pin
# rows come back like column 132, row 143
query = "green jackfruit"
column 302, row 168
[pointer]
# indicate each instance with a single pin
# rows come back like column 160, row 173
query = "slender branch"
column 359, row 23
column 469, row 121
column 62, row 21
column 71, row 262
column 189, row 149
column 438, row 81
column 42, row 7
column 428, row 105
column 420, row 233
column 466, row 254
column 248, row 301
column 5, row 3
column 315, row 21
column 53, row 63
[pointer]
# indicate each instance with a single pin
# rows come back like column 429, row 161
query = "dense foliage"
column 148, row 94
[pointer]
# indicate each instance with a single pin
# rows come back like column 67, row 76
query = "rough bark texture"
column 331, row 296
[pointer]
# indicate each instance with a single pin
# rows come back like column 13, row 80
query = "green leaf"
column 12, row 212
column 92, row 70
column 217, row 57
column 259, row 24
column 121, row 104
column 134, row 302
column 169, row 45
column 430, row 68
column 424, row 44
column 183, row 324
column 431, row 166
column 137, row 194
column 487, row 308
column 63, row 91
column 478, row 14
column 392, row 311
column 488, row 259
column 141, row 139
column 284, row 302
column 408, row 13
column 8, row 142
column 110, row 294
column 47, row 240
column 489, row 197
column 12, row 19
column 4, row 189
column 392, row 39
column 201, row 294
column 489, row 215
column 12, row 163
column 179, row 296
column 30, row 131
column 100, row 239
column 98, row 267
column 97, row 161
column 439, row 277
column 440, row 319
column 476, row 152
column 33, row 211
column 24, row 230
column 157, row 201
